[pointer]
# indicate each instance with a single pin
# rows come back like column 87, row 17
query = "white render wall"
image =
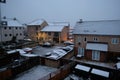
column 19, row 33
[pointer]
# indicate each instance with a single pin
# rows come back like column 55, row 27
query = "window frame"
column 95, row 55
column 81, row 51
column 115, row 40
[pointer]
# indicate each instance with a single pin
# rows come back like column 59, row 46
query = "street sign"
column 2, row 1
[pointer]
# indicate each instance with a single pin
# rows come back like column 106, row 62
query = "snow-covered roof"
column 83, row 68
column 12, row 51
column 118, row 65
column 53, row 28
column 29, row 55
column 108, row 27
column 97, row 46
column 53, row 56
column 36, row 22
column 13, row 23
column 27, row 49
column 59, row 23
column 100, row 72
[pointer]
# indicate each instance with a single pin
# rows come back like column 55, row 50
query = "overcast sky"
column 62, row 10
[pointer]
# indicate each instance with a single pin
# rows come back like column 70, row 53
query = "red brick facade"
column 88, row 55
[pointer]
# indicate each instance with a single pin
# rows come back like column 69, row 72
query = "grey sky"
column 61, row 10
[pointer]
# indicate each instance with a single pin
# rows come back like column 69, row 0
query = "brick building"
column 97, row 40
column 34, row 29
column 55, row 33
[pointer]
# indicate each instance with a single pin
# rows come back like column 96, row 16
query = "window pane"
column 95, row 55
column 81, row 51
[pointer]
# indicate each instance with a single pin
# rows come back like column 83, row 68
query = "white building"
column 11, row 28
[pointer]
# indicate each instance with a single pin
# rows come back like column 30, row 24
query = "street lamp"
column 1, row 1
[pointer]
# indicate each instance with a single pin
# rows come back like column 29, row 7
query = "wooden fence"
column 61, row 73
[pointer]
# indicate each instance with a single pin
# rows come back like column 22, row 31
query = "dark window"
column 20, row 33
column 5, row 27
column 49, row 33
column 56, row 34
column 36, row 28
column 95, row 39
column 10, row 34
column 85, row 39
column 16, row 27
column 19, row 27
column 5, row 35
column 17, row 34
column 9, row 27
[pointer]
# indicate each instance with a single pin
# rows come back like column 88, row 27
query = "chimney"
column 80, row 21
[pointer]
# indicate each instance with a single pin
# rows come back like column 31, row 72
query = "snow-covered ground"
column 35, row 73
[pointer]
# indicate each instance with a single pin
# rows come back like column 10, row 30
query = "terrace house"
column 34, row 29
column 97, row 40
column 56, row 33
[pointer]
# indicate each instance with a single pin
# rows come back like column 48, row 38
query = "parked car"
column 47, row 44
column 68, row 43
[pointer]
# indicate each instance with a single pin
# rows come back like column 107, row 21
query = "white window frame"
column 81, row 51
column 95, row 55
column 78, row 39
column 115, row 40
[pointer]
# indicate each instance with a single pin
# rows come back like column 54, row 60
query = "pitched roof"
column 59, row 23
column 108, row 27
column 100, row 72
column 36, row 22
column 53, row 28
column 13, row 23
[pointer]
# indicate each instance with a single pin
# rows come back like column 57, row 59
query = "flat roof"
column 100, row 72
column 83, row 68
column 97, row 46
column 103, row 27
